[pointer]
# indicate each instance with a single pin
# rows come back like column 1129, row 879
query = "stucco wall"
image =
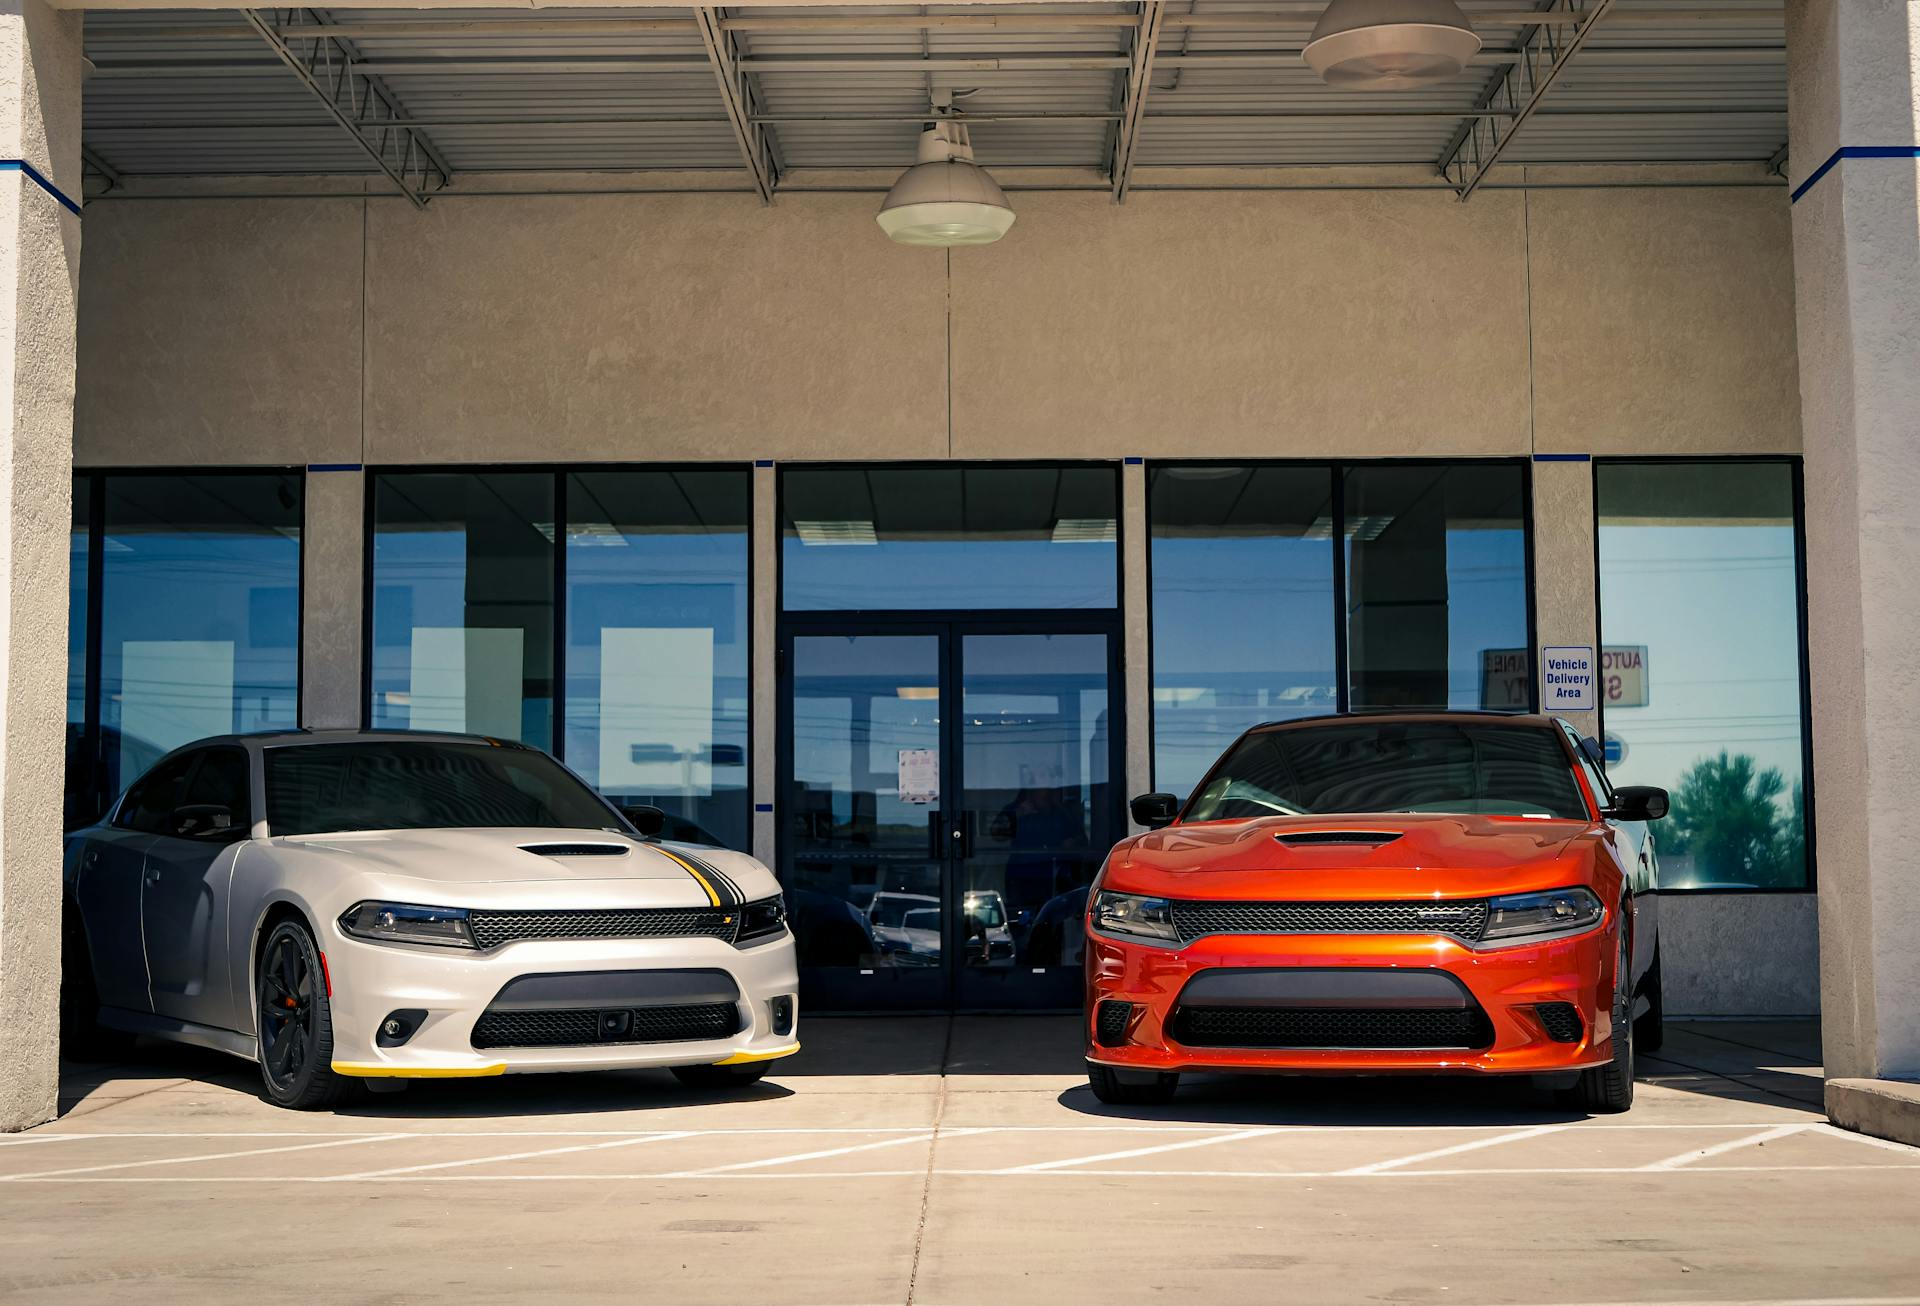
column 629, row 327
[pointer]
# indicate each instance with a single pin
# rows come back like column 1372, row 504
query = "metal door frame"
column 950, row 627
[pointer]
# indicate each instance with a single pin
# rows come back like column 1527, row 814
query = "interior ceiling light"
column 835, row 532
column 1386, row 45
column 946, row 198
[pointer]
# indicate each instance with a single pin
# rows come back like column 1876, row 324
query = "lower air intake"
column 1110, row 1028
column 1322, row 1027
column 687, row 1023
column 1561, row 1020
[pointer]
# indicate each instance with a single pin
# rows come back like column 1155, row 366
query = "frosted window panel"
column 656, row 710
column 172, row 693
column 467, row 680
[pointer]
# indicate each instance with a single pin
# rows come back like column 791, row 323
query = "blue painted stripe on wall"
column 39, row 179
column 1132, row 461
column 333, row 467
column 763, row 462
column 763, row 807
column 1855, row 152
column 1563, row 457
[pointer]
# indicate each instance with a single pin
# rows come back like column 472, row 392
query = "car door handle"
column 153, row 875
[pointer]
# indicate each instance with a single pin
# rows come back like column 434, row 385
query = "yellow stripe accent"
column 381, row 1070
column 742, row 1058
column 687, row 866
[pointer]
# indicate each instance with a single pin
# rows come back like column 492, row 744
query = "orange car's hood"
column 1437, row 855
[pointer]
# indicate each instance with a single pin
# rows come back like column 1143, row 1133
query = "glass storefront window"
column 199, row 626
column 463, row 576
column 1436, row 560
column 867, row 539
column 1243, row 610
column 1701, row 668
column 656, row 649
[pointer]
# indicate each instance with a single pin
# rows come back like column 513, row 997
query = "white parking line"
column 925, row 1137
column 1475, row 1145
column 1132, row 1152
column 1720, row 1149
column 1834, row 1131
column 203, row 1156
column 508, row 1156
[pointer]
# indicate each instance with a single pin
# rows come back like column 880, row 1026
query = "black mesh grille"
column 1461, row 919
column 1110, row 1029
column 1321, row 1027
column 1561, row 1020
column 578, row 1028
column 493, row 928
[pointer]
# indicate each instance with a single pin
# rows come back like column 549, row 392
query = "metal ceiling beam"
column 737, row 97
column 1482, row 142
column 1279, row 17
column 1146, row 43
column 355, row 100
column 1626, row 56
column 92, row 159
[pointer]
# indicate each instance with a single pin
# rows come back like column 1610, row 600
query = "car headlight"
column 1541, row 915
column 398, row 922
column 762, row 919
column 1133, row 916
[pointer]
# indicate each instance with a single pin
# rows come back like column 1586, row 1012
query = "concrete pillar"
column 764, row 620
column 1137, row 653
column 39, row 282
column 1854, row 103
column 1566, row 602
column 333, row 548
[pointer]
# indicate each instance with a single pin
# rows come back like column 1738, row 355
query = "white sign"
column 656, row 710
column 1566, row 678
column 1623, row 675
column 919, row 775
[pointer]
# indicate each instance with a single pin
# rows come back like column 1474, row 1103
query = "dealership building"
column 544, row 374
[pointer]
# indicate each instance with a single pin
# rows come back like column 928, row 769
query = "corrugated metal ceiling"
column 197, row 92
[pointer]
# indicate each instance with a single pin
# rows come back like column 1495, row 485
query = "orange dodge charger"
column 1421, row 893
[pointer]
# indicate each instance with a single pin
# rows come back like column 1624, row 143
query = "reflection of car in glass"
column 989, row 941
column 906, row 927
column 383, row 905
column 1418, row 892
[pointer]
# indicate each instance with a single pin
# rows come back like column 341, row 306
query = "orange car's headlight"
column 1132, row 916
column 1528, row 917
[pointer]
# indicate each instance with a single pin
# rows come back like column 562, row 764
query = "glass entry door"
column 949, row 795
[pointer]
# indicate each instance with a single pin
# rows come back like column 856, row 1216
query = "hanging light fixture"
column 946, row 198
column 1387, row 45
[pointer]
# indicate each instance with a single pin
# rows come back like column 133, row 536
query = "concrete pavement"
column 956, row 1161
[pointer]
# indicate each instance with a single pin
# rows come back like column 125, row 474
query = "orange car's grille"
column 1460, row 920
column 1318, row 1027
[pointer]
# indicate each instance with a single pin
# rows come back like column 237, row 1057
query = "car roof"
column 284, row 738
column 1531, row 720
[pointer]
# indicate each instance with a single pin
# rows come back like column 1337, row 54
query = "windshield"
column 393, row 784
column 1422, row 766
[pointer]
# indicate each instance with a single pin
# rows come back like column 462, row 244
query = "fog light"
column 399, row 1026
column 781, row 1009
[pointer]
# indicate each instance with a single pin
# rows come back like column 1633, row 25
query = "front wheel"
column 1608, row 1089
column 1131, row 1088
column 709, row 1077
column 295, row 1022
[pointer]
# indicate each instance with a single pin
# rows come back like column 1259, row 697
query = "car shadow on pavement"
column 1334, row 1100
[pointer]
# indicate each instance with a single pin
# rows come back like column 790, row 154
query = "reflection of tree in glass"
column 1727, row 818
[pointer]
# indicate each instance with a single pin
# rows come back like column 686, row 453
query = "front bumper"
column 455, row 986
column 1507, row 983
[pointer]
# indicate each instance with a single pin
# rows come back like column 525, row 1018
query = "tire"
column 1153, row 1088
column 294, row 1020
column 1608, row 1089
column 82, row 1036
column 1650, row 1031
column 711, row 1077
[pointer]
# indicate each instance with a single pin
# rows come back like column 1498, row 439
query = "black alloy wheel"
column 295, row 1022
column 1608, row 1089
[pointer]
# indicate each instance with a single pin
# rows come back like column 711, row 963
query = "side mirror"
column 1154, row 810
column 1637, row 803
column 648, row 820
column 203, row 821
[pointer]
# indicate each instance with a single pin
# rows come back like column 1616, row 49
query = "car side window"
column 1602, row 791
column 222, row 782
column 152, row 800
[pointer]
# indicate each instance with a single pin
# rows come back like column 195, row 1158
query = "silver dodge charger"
column 372, row 905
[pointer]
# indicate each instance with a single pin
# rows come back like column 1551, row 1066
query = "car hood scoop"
column 1337, row 838
column 575, row 849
